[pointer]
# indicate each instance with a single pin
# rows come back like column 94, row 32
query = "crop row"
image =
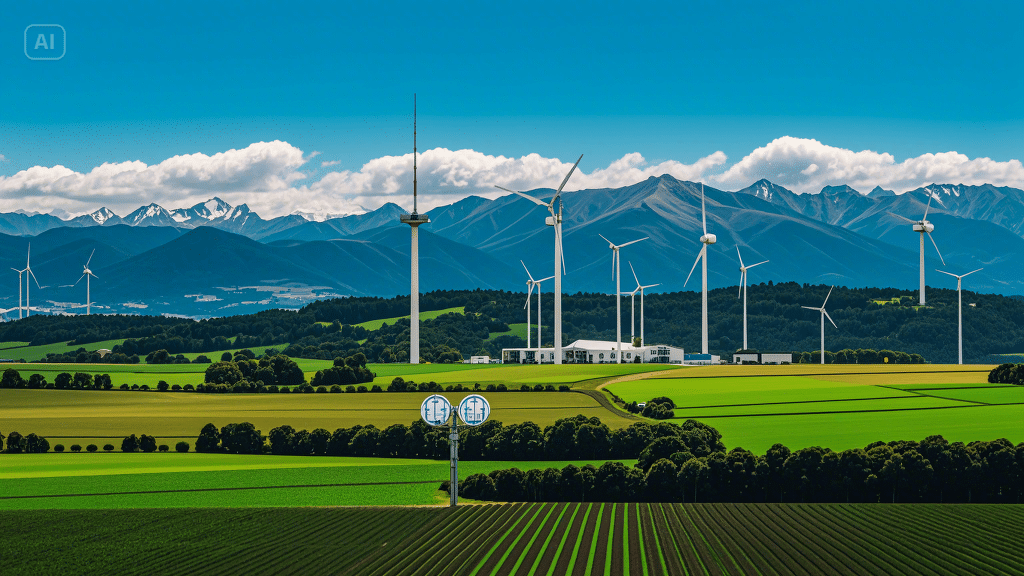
column 710, row 539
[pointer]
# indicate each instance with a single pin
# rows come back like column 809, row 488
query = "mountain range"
column 215, row 259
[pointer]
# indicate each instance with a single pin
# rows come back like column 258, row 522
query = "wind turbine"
column 21, row 285
column 923, row 226
column 28, row 269
column 823, row 316
column 414, row 221
column 86, row 274
column 616, row 261
column 641, row 289
column 532, row 283
column 743, row 290
column 960, row 310
column 555, row 221
column 702, row 256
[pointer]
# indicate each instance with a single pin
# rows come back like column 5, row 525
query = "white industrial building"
column 741, row 357
column 595, row 352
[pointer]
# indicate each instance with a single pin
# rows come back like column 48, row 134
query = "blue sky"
column 674, row 82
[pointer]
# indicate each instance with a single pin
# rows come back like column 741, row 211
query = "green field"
column 500, row 540
column 137, row 480
column 837, row 406
column 32, row 353
column 430, row 315
column 520, row 330
column 115, row 413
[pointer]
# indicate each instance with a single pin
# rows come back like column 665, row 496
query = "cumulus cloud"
column 327, row 163
column 806, row 166
column 266, row 176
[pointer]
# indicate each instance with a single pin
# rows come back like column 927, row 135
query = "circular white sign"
column 474, row 410
column 436, row 410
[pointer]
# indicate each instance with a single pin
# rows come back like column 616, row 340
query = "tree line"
column 1007, row 374
column 933, row 470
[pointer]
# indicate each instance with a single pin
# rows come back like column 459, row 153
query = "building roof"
column 600, row 345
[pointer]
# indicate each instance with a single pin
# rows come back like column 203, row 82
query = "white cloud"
column 806, row 166
column 327, row 163
column 266, row 176
column 4, row 158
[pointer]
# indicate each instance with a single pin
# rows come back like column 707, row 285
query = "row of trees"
column 246, row 371
column 576, row 437
column 1007, row 374
column 933, row 470
column 18, row 444
column 859, row 356
column 64, row 381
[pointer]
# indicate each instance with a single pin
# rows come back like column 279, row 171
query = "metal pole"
column 453, row 486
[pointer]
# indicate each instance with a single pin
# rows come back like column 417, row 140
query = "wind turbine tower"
column 414, row 220
column 618, row 292
column 28, row 269
column 702, row 257
column 743, row 290
column 21, row 308
column 923, row 226
column 641, row 288
column 823, row 316
column 555, row 221
column 959, row 312
column 533, row 283
column 87, row 274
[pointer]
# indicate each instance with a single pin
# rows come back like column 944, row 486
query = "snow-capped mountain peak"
column 102, row 215
column 319, row 215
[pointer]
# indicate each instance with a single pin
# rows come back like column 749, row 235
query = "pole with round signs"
column 436, row 410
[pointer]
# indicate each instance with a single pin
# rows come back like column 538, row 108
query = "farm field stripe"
column 786, row 555
column 471, row 550
column 566, row 555
column 865, row 411
column 675, row 561
column 383, row 560
column 550, row 556
column 402, row 558
column 499, row 562
column 521, row 546
column 710, row 521
column 530, row 551
column 928, row 556
column 298, row 533
column 648, row 526
column 826, row 548
column 673, row 376
column 840, row 539
column 136, row 492
column 911, row 397
column 609, row 537
column 996, row 522
column 533, row 569
column 623, row 542
column 886, row 539
column 942, row 526
column 591, row 552
column 720, row 554
column 699, row 552
column 949, row 551
column 434, row 550
column 743, row 538
column 817, row 556
column 486, row 562
column 580, row 544
column 637, row 563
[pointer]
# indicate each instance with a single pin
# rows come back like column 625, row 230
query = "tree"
column 242, row 438
column 11, row 379
column 162, row 386
column 76, row 448
column 208, row 440
column 222, row 373
column 92, row 448
column 281, row 440
column 108, row 447
column 147, row 443
column 181, row 447
column 225, row 357
column 130, row 444
column 692, row 476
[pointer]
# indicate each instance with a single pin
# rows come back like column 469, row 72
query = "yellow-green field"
column 97, row 414
column 430, row 315
column 837, row 406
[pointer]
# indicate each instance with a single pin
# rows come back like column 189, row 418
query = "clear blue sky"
column 674, row 80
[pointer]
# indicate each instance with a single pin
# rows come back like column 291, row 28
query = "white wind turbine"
column 555, row 221
column 923, row 226
column 641, row 288
column 616, row 261
column 702, row 256
column 533, row 283
column 21, row 286
column 743, row 292
column 28, row 269
column 824, row 315
column 960, row 311
column 86, row 274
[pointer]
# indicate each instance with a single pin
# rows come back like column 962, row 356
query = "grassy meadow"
column 837, row 406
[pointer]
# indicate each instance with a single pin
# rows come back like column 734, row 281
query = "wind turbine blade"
column 634, row 274
column 33, row 275
column 544, row 280
column 739, row 289
column 606, row 240
column 530, row 276
column 530, row 198
column 908, row 220
column 829, row 317
column 810, row 308
column 936, row 248
column 950, row 273
column 561, row 254
column 90, row 258
column 972, row 272
column 93, row 275
column 699, row 254
column 826, row 297
column 703, row 211
column 758, row 264
column 740, row 257
column 650, row 286
column 634, row 241
column 571, row 170
column 927, row 206
column 614, row 254
column 79, row 280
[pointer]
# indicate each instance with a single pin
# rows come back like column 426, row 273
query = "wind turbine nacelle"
column 709, row 238
column 926, row 227
column 550, row 220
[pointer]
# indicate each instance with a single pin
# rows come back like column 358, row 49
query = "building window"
column 601, row 356
column 613, row 356
column 629, row 355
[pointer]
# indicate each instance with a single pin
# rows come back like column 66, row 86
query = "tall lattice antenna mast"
column 414, row 154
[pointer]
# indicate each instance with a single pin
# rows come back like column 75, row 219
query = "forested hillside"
column 868, row 318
